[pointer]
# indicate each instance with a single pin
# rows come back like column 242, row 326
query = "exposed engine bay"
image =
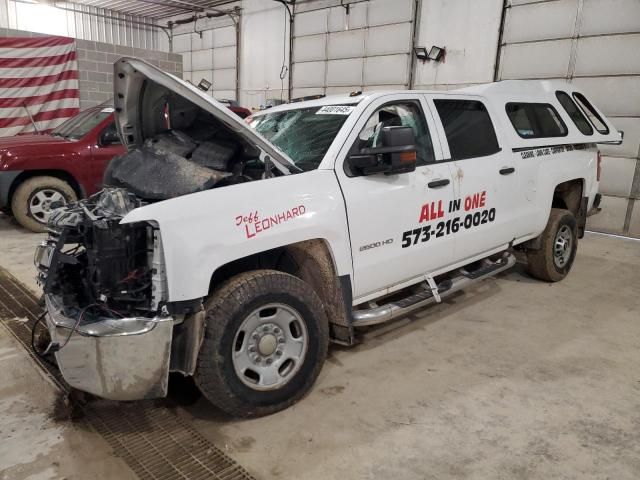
column 185, row 150
column 89, row 258
column 179, row 148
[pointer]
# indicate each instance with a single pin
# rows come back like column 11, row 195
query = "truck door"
column 392, row 218
column 487, row 197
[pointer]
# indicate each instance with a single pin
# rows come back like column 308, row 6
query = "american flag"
column 38, row 83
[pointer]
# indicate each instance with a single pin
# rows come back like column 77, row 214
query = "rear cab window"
column 535, row 120
column 468, row 128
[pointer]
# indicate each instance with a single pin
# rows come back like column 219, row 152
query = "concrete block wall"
column 95, row 66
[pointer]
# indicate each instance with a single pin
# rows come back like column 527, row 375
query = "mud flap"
column 581, row 216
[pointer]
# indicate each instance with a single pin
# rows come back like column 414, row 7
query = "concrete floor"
column 513, row 379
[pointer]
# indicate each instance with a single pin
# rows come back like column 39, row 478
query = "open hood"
column 149, row 101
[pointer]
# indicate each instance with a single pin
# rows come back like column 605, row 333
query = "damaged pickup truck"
column 234, row 251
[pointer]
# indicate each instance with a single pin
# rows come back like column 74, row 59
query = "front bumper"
column 112, row 358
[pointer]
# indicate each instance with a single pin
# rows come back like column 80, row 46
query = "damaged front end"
column 112, row 331
column 115, row 333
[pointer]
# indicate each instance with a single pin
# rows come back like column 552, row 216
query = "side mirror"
column 109, row 137
column 397, row 154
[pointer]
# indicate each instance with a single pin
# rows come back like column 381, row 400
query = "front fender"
column 205, row 230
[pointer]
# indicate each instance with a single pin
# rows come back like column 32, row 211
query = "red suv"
column 37, row 171
column 67, row 164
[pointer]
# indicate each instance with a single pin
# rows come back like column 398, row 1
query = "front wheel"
column 266, row 340
column 559, row 243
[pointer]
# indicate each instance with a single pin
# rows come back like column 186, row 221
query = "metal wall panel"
column 617, row 175
column 548, row 59
column 610, row 16
column 346, row 44
column 310, row 23
column 387, row 70
column 310, row 48
column 344, row 72
column 209, row 53
column 388, row 39
column 551, row 20
column 340, row 21
column 615, row 96
column 593, row 44
column 333, row 51
column 631, row 145
column 384, row 12
column 469, row 31
column 603, row 55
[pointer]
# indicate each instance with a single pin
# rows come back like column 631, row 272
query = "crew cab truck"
column 236, row 251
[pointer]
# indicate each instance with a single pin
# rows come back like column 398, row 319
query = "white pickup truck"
column 235, row 251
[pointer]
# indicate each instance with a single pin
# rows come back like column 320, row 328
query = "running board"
column 463, row 279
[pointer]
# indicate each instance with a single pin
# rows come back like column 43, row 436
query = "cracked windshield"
column 304, row 134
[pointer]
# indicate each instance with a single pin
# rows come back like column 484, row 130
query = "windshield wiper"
column 284, row 168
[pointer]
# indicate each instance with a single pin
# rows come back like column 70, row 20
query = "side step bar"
column 463, row 279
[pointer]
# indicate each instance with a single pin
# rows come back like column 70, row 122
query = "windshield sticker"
column 336, row 110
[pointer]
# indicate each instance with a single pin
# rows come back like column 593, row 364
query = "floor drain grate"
column 154, row 442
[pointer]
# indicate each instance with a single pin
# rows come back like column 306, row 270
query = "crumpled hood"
column 138, row 88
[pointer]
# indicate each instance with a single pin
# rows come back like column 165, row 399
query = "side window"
column 109, row 135
column 588, row 109
column 535, row 120
column 574, row 112
column 468, row 128
column 399, row 115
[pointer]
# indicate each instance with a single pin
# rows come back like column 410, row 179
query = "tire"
column 35, row 192
column 247, row 312
column 553, row 261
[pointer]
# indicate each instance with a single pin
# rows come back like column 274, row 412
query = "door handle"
column 507, row 170
column 438, row 183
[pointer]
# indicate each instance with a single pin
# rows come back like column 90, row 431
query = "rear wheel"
column 32, row 201
column 266, row 339
column 559, row 243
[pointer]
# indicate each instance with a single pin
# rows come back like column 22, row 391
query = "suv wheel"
column 266, row 339
column 31, row 202
column 559, row 243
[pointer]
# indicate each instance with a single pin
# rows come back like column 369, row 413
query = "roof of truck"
column 496, row 93
column 501, row 88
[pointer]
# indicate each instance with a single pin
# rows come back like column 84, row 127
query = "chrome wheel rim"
column 270, row 346
column 40, row 203
column 562, row 246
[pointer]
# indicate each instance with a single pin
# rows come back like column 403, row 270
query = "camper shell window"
column 590, row 112
column 574, row 112
column 535, row 120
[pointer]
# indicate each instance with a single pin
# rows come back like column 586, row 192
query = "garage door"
column 593, row 44
column 337, row 52
column 209, row 53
